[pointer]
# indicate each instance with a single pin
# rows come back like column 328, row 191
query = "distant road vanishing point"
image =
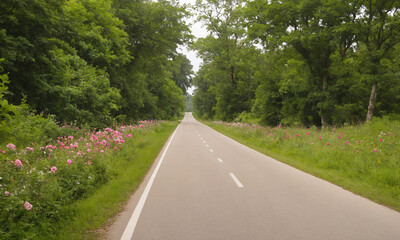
column 205, row 186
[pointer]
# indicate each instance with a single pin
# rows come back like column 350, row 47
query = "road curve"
column 207, row 186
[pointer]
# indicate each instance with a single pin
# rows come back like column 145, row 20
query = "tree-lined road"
column 211, row 187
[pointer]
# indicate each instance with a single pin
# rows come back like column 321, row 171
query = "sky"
column 198, row 31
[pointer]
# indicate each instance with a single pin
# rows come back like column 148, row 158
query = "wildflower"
column 115, row 148
column 347, row 142
column 88, row 162
column 340, row 137
column 69, row 161
column 28, row 206
column 375, row 150
column 327, row 144
column 11, row 146
column 358, row 141
column 357, row 151
column 380, row 140
column 6, row 193
column 129, row 135
column 297, row 135
column 53, row 169
column 3, row 152
column 18, row 163
column 29, row 149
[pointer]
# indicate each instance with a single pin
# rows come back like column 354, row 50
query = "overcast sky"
column 198, row 31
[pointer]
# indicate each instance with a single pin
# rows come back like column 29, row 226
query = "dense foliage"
column 94, row 60
column 317, row 62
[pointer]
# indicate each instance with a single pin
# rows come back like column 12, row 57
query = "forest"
column 93, row 61
column 299, row 62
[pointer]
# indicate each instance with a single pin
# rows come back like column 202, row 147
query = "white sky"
column 198, row 31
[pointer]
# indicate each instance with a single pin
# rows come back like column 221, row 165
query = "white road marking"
column 207, row 145
column 211, row 150
column 204, row 142
column 201, row 139
column 130, row 228
column 220, row 160
column 238, row 183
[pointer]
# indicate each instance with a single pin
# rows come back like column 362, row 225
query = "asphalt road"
column 207, row 186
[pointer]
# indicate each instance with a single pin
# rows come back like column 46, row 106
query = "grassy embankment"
column 364, row 159
column 70, row 188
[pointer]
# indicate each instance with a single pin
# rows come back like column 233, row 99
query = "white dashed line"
column 220, row 160
column 207, row 145
column 211, row 150
column 238, row 183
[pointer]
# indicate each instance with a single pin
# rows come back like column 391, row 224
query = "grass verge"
column 363, row 159
column 130, row 165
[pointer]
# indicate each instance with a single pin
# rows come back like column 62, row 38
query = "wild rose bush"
column 40, row 182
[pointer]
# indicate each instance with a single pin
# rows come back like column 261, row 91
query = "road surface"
column 207, row 186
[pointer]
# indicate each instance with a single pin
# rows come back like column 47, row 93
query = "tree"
column 379, row 23
column 230, row 59
column 315, row 29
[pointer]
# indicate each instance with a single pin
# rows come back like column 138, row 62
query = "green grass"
column 364, row 159
column 130, row 165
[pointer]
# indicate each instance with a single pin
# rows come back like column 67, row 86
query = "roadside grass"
column 364, row 159
column 130, row 165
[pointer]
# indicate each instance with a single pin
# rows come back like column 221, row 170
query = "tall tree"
column 379, row 23
column 230, row 58
column 314, row 28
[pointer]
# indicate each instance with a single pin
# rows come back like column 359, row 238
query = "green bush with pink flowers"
column 41, row 179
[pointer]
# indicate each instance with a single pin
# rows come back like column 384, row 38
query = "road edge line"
column 130, row 227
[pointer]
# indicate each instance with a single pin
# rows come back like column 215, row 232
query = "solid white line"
column 220, row 160
column 130, row 228
column 211, row 150
column 238, row 183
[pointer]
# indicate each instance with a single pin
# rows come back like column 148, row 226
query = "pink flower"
column 6, row 193
column 358, row 141
column 53, row 169
column 115, row 148
column 297, row 135
column 357, row 151
column 3, row 152
column 69, row 161
column 340, row 137
column 18, row 163
column 327, row 144
column 11, row 146
column 347, row 142
column 375, row 150
column 88, row 162
column 28, row 206
column 380, row 140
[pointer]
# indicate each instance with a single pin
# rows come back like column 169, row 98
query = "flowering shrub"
column 38, row 183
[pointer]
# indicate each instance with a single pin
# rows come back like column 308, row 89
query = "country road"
column 207, row 186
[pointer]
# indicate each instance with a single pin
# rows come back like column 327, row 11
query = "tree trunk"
column 324, row 87
column 372, row 99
